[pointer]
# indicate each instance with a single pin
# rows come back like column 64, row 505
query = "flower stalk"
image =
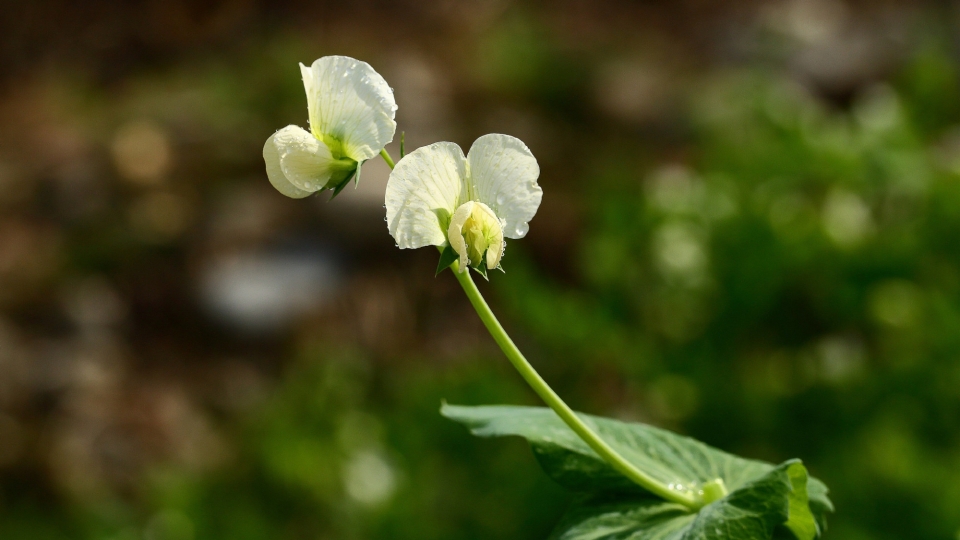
column 688, row 498
column 386, row 157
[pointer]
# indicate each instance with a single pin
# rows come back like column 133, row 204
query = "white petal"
column 495, row 249
column 350, row 102
column 275, row 173
column 503, row 175
column 309, row 85
column 304, row 161
column 424, row 186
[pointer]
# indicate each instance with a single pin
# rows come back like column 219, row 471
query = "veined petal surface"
column 424, row 188
column 503, row 174
column 352, row 103
column 304, row 161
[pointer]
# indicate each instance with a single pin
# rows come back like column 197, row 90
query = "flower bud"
column 475, row 230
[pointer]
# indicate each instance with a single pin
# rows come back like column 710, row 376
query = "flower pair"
column 435, row 195
column 351, row 110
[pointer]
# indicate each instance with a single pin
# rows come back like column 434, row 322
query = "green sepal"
column 481, row 269
column 353, row 175
column 447, row 257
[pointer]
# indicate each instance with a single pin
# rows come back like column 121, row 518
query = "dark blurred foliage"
column 750, row 234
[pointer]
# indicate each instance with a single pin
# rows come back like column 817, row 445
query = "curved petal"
column 475, row 230
column 350, row 102
column 503, row 175
column 309, row 86
column 455, row 233
column 423, row 192
column 271, row 156
column 496, row 246
column 304, row 161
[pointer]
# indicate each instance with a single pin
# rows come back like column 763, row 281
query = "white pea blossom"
column 435, row 195
column 351, row 111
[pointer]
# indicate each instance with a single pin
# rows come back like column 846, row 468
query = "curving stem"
column 689, row 499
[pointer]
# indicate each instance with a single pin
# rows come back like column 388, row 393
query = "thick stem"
column 611, row 456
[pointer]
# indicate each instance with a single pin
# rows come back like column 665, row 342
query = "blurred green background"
column 750, row 234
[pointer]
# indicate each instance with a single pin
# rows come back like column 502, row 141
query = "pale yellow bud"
column 475, row 229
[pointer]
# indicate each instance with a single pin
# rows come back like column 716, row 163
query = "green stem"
column 386, row 157
column 618, row 462
column 686, row 498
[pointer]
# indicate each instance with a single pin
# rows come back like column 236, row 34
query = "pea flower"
column 436, row 196
column 351, row 112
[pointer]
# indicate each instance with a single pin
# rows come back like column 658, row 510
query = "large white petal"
column 304, row 161
column 309, row 85
column 351, row 102
column 425, row 184
column 271, row 156
column 503, row 175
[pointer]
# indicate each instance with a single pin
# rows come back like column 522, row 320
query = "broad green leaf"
column 761, row 497
column 801, row 521
column 753, row 512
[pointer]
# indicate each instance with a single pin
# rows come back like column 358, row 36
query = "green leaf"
column 447, row 256
column 801, row 523
column 754, row 511
column 820, row 503
column 761, row 500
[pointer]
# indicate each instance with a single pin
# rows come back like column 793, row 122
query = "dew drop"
column 501, row 198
